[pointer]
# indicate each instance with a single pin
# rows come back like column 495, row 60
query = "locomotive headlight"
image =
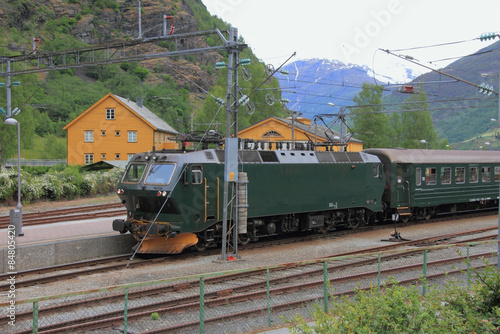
column 161, row 193
column 120, row 191
column 164, row 193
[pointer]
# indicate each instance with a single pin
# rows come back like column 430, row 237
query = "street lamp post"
column 16, row 215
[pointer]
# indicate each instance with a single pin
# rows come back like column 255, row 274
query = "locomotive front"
column 147, row 190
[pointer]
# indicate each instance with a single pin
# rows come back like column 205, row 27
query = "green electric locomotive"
column 174, row 200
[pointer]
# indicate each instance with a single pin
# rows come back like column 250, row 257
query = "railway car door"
column 403, row 186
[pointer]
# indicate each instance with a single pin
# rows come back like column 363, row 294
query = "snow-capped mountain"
column 313, row 85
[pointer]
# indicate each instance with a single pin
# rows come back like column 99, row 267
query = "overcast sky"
column 352, row 31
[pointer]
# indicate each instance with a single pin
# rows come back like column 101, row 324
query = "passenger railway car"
column 422, row 183
column 175, row 199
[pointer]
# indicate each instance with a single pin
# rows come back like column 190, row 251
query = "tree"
column 417, row 123
column 370, row 124
column 20, row 97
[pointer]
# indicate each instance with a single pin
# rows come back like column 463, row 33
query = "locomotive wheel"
column 200, row 246
column 243, row 239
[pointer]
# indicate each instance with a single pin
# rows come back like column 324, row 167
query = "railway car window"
column 134, row 173
column 160, row 173
column 418, row 176
column 497, row 174
column 400, row 174
column 459, row 175
column 486, row 174
column 445, row 175
column 430, row 175
column 196, row 175
column 473, row 174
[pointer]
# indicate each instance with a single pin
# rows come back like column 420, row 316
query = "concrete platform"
column 60, row 243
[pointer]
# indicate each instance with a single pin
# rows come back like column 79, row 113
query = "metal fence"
column 35, row 162
column 209, row 303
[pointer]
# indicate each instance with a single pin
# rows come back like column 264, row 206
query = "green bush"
column 8, row 183
column 55, row 183
column 399, row 309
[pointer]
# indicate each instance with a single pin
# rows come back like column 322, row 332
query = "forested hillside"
column 174, row 88
column 459, row 111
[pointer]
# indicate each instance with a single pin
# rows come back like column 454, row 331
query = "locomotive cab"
column 152, row 213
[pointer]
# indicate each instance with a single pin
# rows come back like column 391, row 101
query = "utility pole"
column 140, row 24
column 231, row 147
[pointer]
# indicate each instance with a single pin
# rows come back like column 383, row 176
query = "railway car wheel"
column 404, row 218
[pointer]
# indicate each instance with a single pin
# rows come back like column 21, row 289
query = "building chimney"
column 139, row 102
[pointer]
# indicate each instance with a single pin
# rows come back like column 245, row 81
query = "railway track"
column 69, row 214
column 228, row 293
column 67, row 271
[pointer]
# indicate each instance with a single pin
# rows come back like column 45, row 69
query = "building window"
column 272, row 133
column 130, row 156
column 132, row 136
column 117, row 156
column 89, row 158
column 110, row 113
column 88, row 136
column 103, row 133
column 117, row 133
column 103, row 156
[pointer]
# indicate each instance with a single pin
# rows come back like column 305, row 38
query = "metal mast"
column 230, row 240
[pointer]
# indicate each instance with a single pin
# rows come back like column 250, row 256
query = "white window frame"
column 132, row 136
column 117, row 156
column 89, row 158
column 110, row 113
column 88, row 136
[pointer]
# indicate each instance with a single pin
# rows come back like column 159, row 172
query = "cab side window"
column 196, row 175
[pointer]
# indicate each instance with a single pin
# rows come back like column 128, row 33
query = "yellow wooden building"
column 278, row 132
column 115, row 128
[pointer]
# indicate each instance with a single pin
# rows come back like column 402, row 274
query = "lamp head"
column 10, row 121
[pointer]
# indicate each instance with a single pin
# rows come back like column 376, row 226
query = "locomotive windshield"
column 134, row 173
column 160, row 173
